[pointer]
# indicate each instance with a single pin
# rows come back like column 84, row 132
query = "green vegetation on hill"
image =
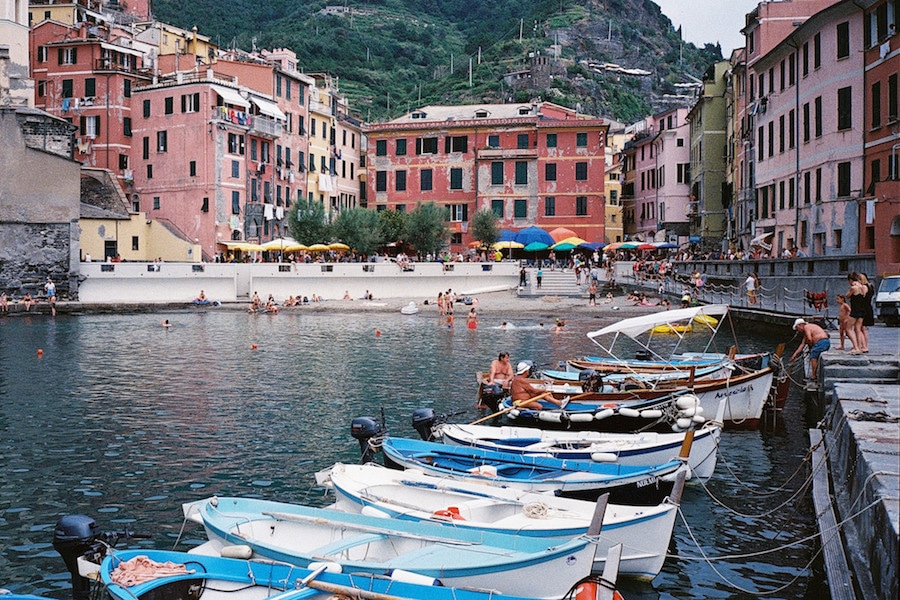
column 394, row 55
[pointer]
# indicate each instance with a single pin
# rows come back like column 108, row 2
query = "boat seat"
column 338, row 546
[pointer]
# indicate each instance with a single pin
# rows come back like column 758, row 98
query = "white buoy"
column 241, row 551
column 683, row 423
column 698, row 419
column 629, row 412
column 604, row 457
column 550, row 417
column 687, row 401
column 581, row 417
column 606, row 412
column 651, row 413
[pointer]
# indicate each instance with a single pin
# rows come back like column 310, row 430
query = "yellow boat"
column 667, row 328
column 706, row 320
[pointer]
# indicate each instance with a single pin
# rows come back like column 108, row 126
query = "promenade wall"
column 153, row 283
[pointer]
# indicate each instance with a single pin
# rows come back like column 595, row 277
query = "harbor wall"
column 154, row 283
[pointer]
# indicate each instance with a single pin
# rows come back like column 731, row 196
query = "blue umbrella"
column 591, row 245
column 534, row 234
column 665, row 245
column 507, row 235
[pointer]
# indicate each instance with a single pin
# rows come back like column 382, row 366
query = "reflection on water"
column 124, row 420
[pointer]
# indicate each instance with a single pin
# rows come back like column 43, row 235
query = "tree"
column 358, row 228
column 306, row 222
column 426, row 228
column 485, row 227
column 392, row 224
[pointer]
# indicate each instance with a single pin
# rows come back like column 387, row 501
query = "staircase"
column 553, row 283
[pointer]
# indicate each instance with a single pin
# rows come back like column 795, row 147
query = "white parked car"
column 887, row 301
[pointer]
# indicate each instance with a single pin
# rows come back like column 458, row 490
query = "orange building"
column 532, row 164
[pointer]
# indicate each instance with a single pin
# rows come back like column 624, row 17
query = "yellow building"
column 335, row 138
column 615, row 142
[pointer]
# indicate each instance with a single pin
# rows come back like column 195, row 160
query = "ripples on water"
column 124, row 420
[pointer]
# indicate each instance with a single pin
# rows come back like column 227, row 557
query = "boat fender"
column 604, row 457
column 676, row 428
column 241, row 551
column 606, row 412
column 651, row 413
column 581, row 417
column 687, row 401
column 409, row 577
column 629, row 412
column 683, row 423
column 687, row 412
column 698, row 419
column 330, row 567
column 586, row 590
column 451, row 512
column 550, row 416
column 371, row 511
column 514, row 413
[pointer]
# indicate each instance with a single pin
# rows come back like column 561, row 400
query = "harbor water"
column 119, row 418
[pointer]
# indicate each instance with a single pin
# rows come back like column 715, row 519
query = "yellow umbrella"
column 574, row 240
column 338, row 246
column 242, row 246
column 254, row 248
column 279, row 243
column 318, row 248
column 509, row 245
column 295, row 247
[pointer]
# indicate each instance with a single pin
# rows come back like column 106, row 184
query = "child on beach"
column 843, row 318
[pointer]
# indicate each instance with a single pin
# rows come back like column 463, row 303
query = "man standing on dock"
column 816, row 338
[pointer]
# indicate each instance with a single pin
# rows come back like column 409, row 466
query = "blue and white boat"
column 301, row 535
column 185, row 575
column 643, row 531
column 633, row 449
column 574, row 478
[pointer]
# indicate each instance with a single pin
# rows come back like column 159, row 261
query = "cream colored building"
column 16, row 87
column 335, row 138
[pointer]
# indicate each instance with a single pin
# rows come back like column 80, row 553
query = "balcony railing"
column 502, row 153
column 264, row 126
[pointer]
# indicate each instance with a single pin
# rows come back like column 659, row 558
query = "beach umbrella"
column 295, row 247
column 592, row 246
column 665, row 245
column 646, row 247
column 278, row 244
column 318, row 248
column 534, row 234
column 561, row 233
column 535, row 247
column 563, row 246
column 574, row 240
column 629, row 245
column 338, row 246
column 760, row 240
column 475, row 244
column 614, row 246
column 507, row 235
column 507, row 245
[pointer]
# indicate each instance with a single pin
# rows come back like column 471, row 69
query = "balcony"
column 109, row 65
column 265, row 127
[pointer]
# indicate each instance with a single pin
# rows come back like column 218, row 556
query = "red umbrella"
column 646, row 247
column 561, row 233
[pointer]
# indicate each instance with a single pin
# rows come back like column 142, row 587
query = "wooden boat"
column 301, row 535
column 191, row 575
column 745, row 398
column 644, row 532
column 574, row 478
column 633, row 449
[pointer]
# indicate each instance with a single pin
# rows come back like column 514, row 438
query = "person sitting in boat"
column 201, row 299
column 816, row 338
column 526, row 395
column 501, row 372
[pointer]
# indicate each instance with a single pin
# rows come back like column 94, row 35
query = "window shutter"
column 74, row 56
column 184, row 103
column 82, row 124
column 98, row 125
column 59, row 56
column 418, row 145
column 447, row 145
column 196, row 101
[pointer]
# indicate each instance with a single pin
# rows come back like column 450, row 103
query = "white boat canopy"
column 636, row 326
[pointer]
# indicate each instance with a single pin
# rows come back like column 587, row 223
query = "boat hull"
column 644, row 532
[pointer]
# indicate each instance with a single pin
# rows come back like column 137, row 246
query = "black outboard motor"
column 74, row 536
column 364, row 429
column 423, row 420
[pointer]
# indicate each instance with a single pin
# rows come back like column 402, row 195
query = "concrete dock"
column 861, row 397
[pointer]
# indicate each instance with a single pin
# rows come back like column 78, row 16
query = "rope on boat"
column 536, row 510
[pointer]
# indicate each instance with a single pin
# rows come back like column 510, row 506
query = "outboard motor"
column 74, row 536
column 364, row 429
column 591, row 380
column 423, row 420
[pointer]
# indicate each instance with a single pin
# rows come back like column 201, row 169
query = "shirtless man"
column 501, row 372
column 816, row 338
column 526, row 395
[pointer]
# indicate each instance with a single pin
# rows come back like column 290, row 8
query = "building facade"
column 709, row 140
column 532, row 164
column 880, row 218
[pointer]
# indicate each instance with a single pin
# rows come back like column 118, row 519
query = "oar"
column 515, row 404
column 310, row 581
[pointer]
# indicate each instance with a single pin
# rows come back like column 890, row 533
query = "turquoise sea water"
column 124, row 420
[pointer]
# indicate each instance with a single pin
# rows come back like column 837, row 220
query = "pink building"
column 807, row 147
column 659, row 157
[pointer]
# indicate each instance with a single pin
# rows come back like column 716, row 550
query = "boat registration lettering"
column 735, row 391
column 646, row 482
